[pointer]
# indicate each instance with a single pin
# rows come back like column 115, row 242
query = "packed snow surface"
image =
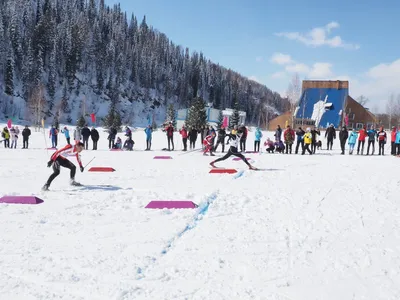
column 304, row 227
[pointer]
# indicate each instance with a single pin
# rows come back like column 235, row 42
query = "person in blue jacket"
column 66, row 133
column 149, row 132
column 257, row 138
column 53, row 135
column 352, row 140
column 397, row 143
column 372, row 134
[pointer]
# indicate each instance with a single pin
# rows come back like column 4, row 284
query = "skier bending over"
column 233, row 142
column 58, row 160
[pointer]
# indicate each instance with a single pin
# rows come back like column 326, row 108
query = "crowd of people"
column 287, row 141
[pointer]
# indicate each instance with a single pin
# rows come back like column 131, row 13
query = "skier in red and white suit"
column 209, row 143
column 58, row 159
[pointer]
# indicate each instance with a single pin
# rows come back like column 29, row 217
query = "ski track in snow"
column 303, row 227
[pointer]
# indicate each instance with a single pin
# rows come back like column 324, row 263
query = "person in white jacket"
column 14, row 134
column 77, row 135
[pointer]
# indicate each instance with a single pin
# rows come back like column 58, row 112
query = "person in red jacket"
column 58, row 159
column 170, row 136
column 184, row 134
column 361, row 140
column 381, row 141
column 209, row 143
column 393, row 140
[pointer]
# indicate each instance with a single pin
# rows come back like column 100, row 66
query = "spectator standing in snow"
column 221, row 139
column 243, row 138
column 288, row 136
column 361, row 140
column 6, row 136
column 85, row 136
column 278, row 133
column 330, row 135
column 371, row 139
column 314, row 133
column 77, row 135
column 381, row 140
column 397, row 142
column 307, row 142
column 299, row 133
column 65, row 131
column 95, row 137
column 112, row 134
column 53, row 135
column 343, row 136
column 352, row 140
column 393, row 140
column 193, row 133
column 257, row 139
column 184, row 135
column 26, row 132
column 149, row 133
column 14, row 137
column 170, row 136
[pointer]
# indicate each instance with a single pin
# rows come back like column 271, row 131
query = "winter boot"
column 45, row 187
column 74, row 183
column 212, row 164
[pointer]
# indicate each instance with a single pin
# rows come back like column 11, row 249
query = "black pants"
column 95, row 144
column 306, row 148
column 398, row 149
column 360, row 144
column 301, row 142
column 61, row 162
column 256, row 146
column 314, row 147
column 381, row 145
column 148, row 143
column 393, row 149
column 232, row 151
column 371, row 143
column 111, row 143
column 184, row 140
column 86, row 142
column 69, row 141
column 330, row 144
column 343, row 146
column 222, row 142
column 289, row 148
column 25, row 142
column 171, row 141
column 7, row 143
column 242, row 144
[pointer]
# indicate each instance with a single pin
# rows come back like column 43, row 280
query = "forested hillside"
column 64, row 59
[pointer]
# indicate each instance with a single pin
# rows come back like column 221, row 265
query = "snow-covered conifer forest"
column 60, row 60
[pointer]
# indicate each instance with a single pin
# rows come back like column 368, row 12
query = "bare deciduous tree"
column 362, row 100
column 293, row 94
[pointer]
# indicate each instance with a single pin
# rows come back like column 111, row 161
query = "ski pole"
column 89, row 162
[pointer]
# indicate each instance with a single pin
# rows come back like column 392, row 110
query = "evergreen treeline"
column 52, row 50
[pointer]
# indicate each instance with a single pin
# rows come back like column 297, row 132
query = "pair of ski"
column 222, row 168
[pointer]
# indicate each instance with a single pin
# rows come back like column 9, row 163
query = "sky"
column 269, row 41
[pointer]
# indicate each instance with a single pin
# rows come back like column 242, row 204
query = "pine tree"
column 220, row 119
column 197, row 116
column 56, row 122
column 117, row 123
column 81, row 121
column 171, row 115
column 235, row 118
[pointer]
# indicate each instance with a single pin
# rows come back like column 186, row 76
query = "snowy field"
column 305, row 228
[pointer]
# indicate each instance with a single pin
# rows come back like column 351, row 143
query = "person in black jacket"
column 192, row 137
column 95, row 137
column 85, row 136
column 25, row 137
column 243, row 139
column 112, row 134
column 330, row 135
column 343, row 136
column 221, row 139
column 314, row 133
column 300, row 133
